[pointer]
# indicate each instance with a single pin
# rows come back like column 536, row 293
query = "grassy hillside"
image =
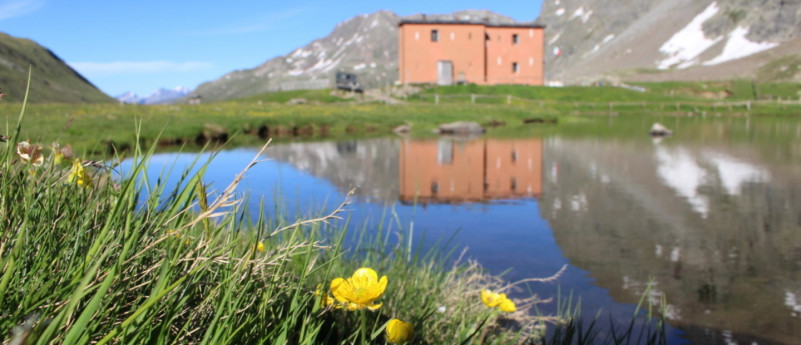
column 52, row 81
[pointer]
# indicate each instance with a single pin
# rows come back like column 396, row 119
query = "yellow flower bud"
column 399, row 332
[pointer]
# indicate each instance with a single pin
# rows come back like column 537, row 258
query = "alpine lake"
column 703, row 225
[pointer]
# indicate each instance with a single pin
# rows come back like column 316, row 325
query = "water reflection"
column 426, row 171
column 716, row 227
column 454, row 171
column 715, row 224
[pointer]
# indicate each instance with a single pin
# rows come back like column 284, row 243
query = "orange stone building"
column 447, row 171
column 448, row 52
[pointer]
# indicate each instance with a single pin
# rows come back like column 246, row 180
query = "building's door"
column 444, row 72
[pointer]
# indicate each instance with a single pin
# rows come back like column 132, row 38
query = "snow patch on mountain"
column 160, row 96
column 738, row 46
column 685, row 45
column 583, row 14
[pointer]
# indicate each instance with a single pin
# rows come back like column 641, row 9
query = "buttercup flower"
column 260, row 247
column 30, row 153
column 360, row 290
column 78, row 174
column 399, row 332
column 173, row 233
column 325, row 299
column 492, row 300
column 507, row 305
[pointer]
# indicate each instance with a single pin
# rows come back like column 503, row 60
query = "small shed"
column 348, row 81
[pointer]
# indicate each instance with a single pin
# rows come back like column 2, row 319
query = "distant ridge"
column 160, row 96
column 52, row 79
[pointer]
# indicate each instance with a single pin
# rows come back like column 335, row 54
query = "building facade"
column 452, row 52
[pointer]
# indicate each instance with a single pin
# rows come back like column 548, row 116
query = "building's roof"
column 472, row 22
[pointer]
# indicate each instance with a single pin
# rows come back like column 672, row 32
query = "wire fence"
column 611, row 107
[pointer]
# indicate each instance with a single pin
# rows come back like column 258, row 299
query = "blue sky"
column 141, row 46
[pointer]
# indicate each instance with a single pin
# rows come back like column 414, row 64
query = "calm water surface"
column 712, row 216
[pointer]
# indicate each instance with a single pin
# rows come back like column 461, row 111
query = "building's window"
column 445, row 152
column 453, row 36
column 434, row 35
column 417, row 36
column 514, row 39
column 515, row 67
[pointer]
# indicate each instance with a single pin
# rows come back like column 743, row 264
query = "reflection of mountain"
column 444, row 171
column 717, row 230
column 370, row 165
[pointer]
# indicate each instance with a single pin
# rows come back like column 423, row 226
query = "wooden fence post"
column 508, row 99
column 472, row 98
column 436, row 98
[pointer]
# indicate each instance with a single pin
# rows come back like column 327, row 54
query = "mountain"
column 52, row 80
column 656, row 40
column 160, row 96
column 366, row 45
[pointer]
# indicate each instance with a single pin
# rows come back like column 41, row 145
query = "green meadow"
column 101, row 128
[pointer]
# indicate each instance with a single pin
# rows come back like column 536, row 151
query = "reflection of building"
column 447, row 52
column 451, row 171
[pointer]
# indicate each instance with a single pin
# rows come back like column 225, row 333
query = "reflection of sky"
column 734, row 173
column 685, row 173
column 678, row 170
column 508, row 237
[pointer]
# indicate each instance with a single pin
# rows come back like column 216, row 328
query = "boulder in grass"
column 659, row 130
column 461, row 128
column 403, row 129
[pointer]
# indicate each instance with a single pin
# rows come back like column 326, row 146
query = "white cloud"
column 137, row 67
column 11, row 9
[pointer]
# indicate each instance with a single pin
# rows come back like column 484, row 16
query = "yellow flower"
column 360, row 290
column 492, row 300
column 325, row 299
column 173, row 233
column 507, row 305
column 399, row 332
column 260, row 247
column 79, row 175
column 60, row 153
